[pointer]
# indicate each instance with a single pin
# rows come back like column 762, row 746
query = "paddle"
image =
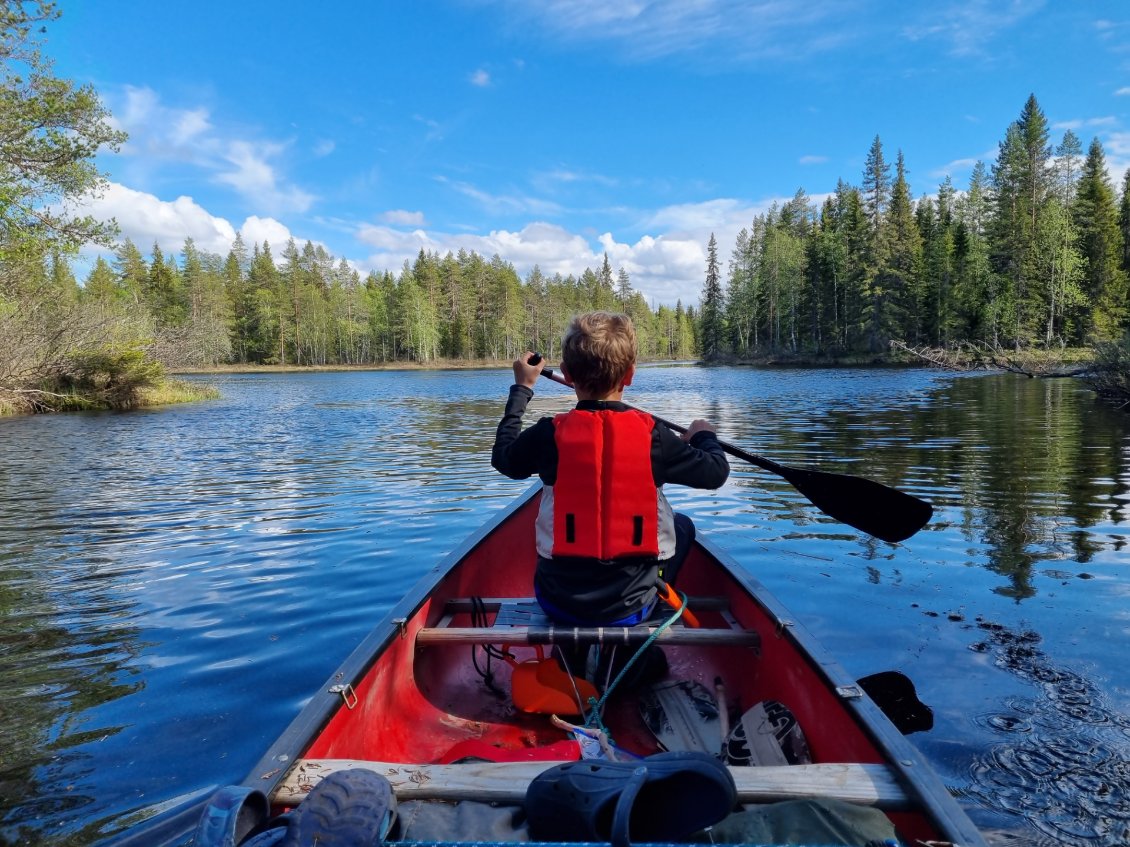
column 869, row 506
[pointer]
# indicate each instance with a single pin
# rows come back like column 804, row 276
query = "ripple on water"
column 1065, row 766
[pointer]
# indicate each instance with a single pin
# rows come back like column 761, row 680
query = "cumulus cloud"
column 256, row 230
column 146, row 219
column 480, row 78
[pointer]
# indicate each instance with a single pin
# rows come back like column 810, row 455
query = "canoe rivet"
column 907, row 762
column 402, row 625
column 782, row 625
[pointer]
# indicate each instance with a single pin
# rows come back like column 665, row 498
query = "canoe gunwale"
column 904, row 757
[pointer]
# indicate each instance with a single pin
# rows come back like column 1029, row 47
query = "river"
column 175, row 582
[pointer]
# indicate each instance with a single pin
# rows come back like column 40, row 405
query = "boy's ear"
column 565, row 375
column 627, row 380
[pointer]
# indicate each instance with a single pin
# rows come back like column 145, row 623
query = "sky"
column 552, row 132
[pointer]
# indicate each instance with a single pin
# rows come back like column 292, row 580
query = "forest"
column 1033, row 253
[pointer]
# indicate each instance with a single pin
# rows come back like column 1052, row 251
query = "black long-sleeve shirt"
column 590, row 589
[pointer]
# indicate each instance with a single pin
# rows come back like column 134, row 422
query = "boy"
column 605, row 532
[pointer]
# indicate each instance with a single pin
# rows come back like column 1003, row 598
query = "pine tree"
column 1124, row 222
column 623, row 287
column 163, row 292
column 1100, row 241
column 132, row 272
column 876, row 198
column 712, row 322
column 50, row 132
column 741, row 294
column 101, row 287
column 902, row 290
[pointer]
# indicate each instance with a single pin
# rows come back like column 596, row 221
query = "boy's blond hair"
column 597, row 351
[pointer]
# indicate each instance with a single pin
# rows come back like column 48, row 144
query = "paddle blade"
column 869, row 506
column 894, row 694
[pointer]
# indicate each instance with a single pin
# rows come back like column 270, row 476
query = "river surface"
column 175, row 582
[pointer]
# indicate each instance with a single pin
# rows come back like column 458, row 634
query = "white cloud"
column 402, row 217
column 1082, row 123
column 146, row 219
column 1123, row 92
column 504, row 203
column 969, row 27
column 480, row 78
column 812, row 160
column 161, row 135
column 324, row 147
column 1117, row 149
column 658, row 28
column 255, row 178
column 256, row 230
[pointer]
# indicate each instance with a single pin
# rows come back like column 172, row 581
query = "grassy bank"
column 160, row 393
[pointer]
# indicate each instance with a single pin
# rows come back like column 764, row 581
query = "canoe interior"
column 416, row 702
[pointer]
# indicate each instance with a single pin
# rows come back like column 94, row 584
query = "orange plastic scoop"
column 541, row 686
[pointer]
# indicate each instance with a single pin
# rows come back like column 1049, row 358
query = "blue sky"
column 553, row 131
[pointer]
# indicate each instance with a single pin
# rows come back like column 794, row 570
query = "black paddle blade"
column 874, row 508
column 894, row 694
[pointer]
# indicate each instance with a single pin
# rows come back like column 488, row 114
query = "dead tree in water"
column 978, row 356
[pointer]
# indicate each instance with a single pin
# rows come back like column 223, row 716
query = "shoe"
column 232, row 813
column 665, row 797
column 351, row 808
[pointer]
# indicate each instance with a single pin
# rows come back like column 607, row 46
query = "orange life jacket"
column 605, row 503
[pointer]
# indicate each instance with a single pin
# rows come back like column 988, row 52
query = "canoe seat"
column 518, row 621
column 506, row 782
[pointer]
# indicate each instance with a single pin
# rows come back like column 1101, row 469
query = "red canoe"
column 411, row 703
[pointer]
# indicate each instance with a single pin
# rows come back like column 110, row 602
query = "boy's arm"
column 514, row 453
column 701, row 463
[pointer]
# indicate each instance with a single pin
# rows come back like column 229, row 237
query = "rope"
column 479, row 619
column 594, row 721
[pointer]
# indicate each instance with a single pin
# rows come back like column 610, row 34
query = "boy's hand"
column 525, row 373
column 696, row 426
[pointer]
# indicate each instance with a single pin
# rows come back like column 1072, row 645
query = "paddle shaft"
column 874, row 508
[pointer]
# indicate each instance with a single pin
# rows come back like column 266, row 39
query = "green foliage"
column 106, row 377
column 1110, row 375
column 713, row 325
column 50, row 131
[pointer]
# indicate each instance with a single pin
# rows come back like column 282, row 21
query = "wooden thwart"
column 612, row 635
column 506, row 782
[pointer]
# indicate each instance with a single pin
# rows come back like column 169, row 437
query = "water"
column 175, row 582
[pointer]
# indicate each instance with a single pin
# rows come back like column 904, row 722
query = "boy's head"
column 599, row 351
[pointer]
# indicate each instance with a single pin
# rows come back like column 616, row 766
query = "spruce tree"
column 1124, row 221
column 712, row 325
column 1095, row 214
